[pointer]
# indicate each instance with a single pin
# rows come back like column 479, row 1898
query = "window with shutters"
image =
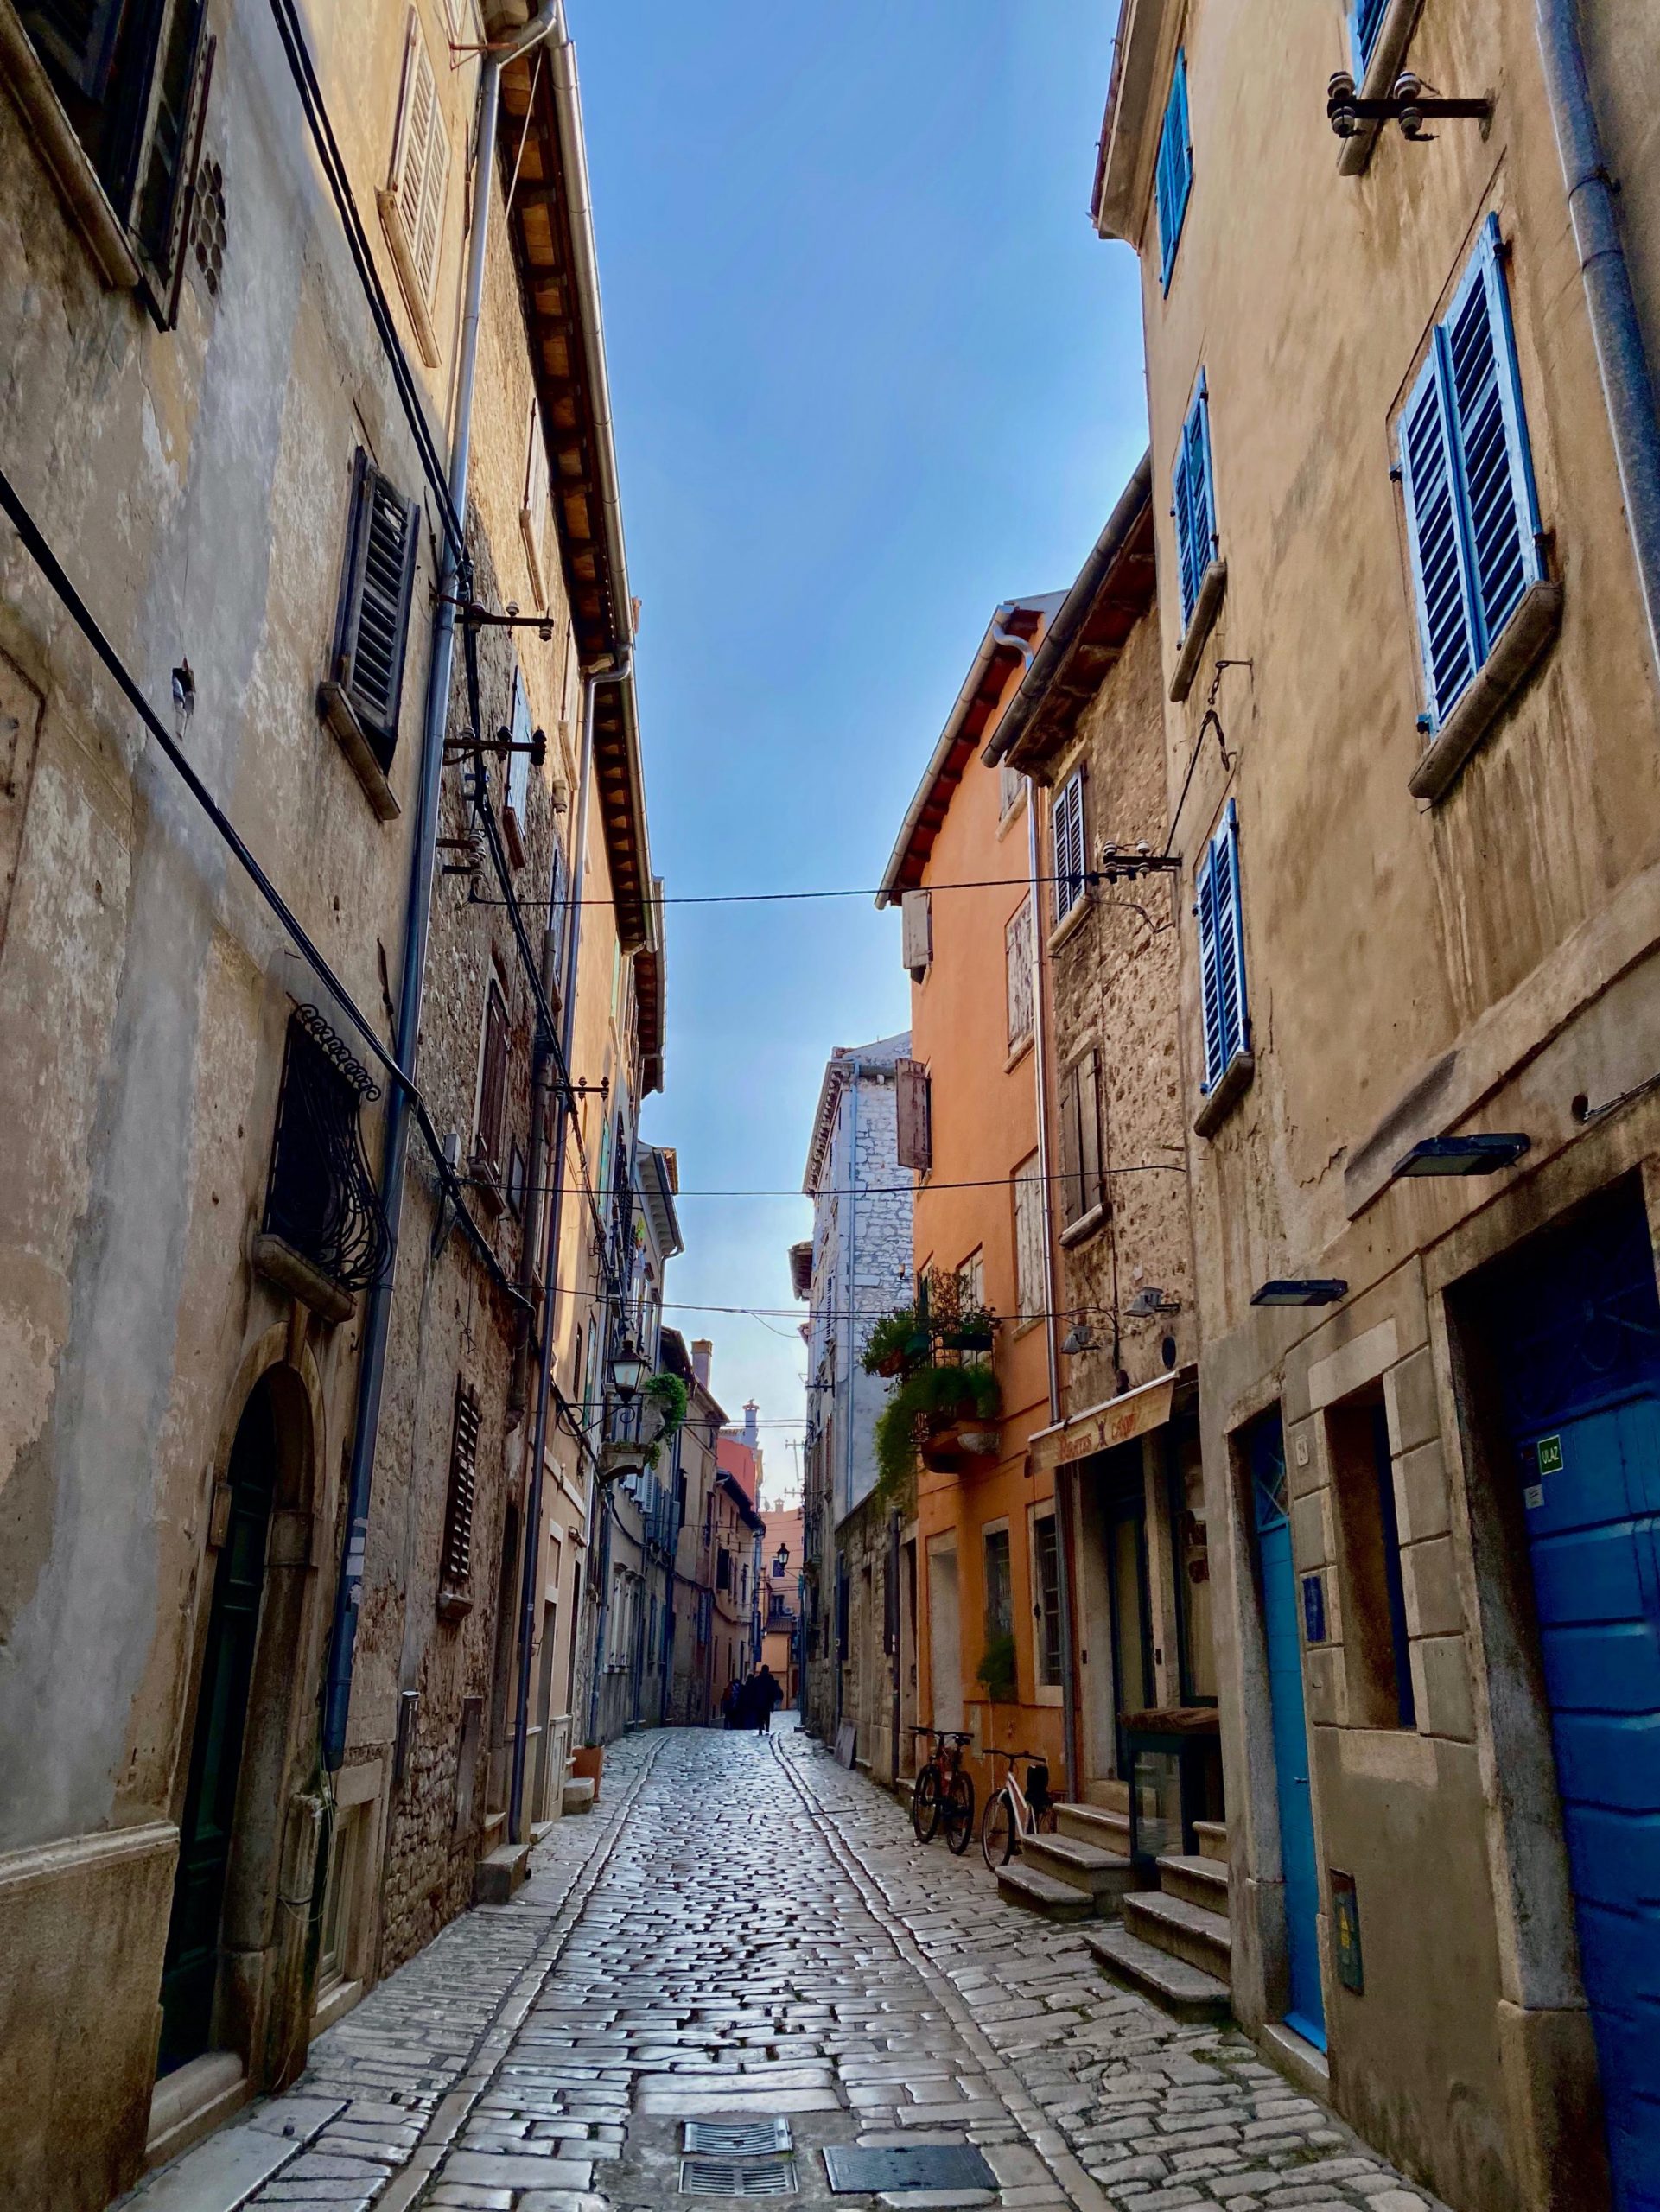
column 1365, row 20
column 456, row 1561
column 1174, row 177
column 917, row 932
column 1081, row 1186
column 1017, row 973
column 412, row 203
column 516, row 818
column 1046, row 1600
column 361, row 698
column 1222, row 951
column 132, row 85
column 535, row 514
column 914, row 1114
column 489, row 1151
column 1029, row 1238
column 1467, row 478
column 1193, row 502
column 1070, row 860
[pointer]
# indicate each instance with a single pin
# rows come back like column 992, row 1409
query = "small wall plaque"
column 1345, row 1932
column 1313, row 1608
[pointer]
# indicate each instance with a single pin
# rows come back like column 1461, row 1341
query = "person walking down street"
column 732, row 1702
column 764, row 1689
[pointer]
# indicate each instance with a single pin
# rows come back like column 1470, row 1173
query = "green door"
column 191, row 1968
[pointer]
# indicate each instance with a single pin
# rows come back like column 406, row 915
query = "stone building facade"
column 225, row 494
column 692, row 1699
column 857, row 1267
column 1404, row 459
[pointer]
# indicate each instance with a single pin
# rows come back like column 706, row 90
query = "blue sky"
column 873, row 372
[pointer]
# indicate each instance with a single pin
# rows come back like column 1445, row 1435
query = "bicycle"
column 1013, row 1815
column 944, row 1791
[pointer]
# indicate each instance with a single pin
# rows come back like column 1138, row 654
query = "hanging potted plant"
column 893, row 1344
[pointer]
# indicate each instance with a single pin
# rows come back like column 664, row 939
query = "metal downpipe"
column 1616, row 326
column 417, row 921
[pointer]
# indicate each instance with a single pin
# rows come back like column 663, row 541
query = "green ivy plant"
column 997, row 1669
column 926, row 1401
column 669, row 1392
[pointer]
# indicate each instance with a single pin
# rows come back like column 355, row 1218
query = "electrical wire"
column 1091, row 876
column 908, row 1190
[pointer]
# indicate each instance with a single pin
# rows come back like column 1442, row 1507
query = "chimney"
column 702, row 1351
column 751, row 1425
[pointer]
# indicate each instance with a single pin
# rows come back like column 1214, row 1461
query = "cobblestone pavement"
column 743, row 1930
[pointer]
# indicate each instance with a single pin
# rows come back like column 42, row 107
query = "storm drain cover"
column 928, row 2165
column 726, row 2178
column 736, row 2139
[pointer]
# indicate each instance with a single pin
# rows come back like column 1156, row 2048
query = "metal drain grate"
column 707, row 2177
column 924, row 2165
column 736, row 2139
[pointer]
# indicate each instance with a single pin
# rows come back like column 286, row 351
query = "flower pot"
column 891, row 1363
column 969, row 1339
column 979, row 1443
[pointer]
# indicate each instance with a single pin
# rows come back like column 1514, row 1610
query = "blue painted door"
column 1591, row 1491
column 1307, row 2013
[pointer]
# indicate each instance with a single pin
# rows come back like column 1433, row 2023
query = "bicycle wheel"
column 958, row 1814
column 924, row 1805
column 997, row 1831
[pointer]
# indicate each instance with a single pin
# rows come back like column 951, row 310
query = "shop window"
column 1376, row 1649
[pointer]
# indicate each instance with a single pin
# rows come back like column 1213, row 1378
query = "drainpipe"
column 417, row 920
column 1627, row 383
column 618, row 673
column 854, row 1077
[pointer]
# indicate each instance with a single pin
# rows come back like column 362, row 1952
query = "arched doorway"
column 206, row 1828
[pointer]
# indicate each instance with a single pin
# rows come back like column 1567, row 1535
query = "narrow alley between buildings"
column 742, row 1932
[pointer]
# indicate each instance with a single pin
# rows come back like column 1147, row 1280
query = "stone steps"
column 578, row 1795
column 1041, row 1893
column 1186, row 1931
column 1202, row 1881
column 1212, row 1836
column 1186, row 1991
column 1101, row 1875
column 1106, row 1827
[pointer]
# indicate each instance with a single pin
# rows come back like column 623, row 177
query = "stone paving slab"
column 744, row 1928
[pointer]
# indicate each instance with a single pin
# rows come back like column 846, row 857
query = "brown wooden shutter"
column 912, row 1107
column 917, row 932
column 1071, row 1201
column 1089, row 1133
column 384, row 540
column 455, row 1565
column 78, row 36
column 492, row 1088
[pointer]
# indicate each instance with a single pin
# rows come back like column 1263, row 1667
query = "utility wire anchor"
column 1412, row 103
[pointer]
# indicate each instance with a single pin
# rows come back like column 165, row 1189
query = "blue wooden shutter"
column 1174, row 179
column 1436, row 535
column 1221, row 951
column 1195, row 502
column 1364, row 18
column 1485, row 395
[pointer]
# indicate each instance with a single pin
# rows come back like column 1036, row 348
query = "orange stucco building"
column 986, row 1554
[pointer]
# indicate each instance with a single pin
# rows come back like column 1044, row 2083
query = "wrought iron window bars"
column 321, row 1198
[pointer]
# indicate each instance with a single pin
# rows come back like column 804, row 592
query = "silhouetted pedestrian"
column 764, row 1693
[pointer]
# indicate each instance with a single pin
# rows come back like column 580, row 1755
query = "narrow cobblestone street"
column 742, row 1931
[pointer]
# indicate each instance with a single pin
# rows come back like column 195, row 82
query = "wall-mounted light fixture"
column 1079, row 1338
column 628, row 1370
column 1479, row 1154
column 1301, row 1290
column 1149, row 1301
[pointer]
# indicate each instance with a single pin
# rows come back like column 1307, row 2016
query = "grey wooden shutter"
column 456, row 1562
column 890, row 1589
column 1086, row 1080
column 1071, row 1176
column 166, row 190
column 917, row 932
column 384, row 542
column 78, row 36
column 915, row 1146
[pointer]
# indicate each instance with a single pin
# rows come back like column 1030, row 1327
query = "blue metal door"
column 1591, row 1491
column 1306, row 2012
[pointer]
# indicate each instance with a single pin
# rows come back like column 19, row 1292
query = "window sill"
column 485, row 1177
column 1236, row 1079
column 335, row 710
column 1071, row 926
column 1201, row 622
column 1084, row 1227
column 454, row 1604
column 55, row 142
column 280, row 1264
column 1017, row 1053
column 1522, row 643
column 1389, row 52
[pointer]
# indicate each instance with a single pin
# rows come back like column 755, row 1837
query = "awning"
column 1114, row 1421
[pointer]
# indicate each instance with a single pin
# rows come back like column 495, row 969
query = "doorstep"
column 191, row 2101
column 1295, row 2056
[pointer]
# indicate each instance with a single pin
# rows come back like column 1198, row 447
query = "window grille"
column 455, row 1564
column 320, row 1200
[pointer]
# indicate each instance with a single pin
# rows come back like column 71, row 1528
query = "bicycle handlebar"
column 945, row 1735
column 996, row 1752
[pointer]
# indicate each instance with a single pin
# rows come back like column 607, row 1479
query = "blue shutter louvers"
column 1195, row 501
column 1472, row 514
column 1222, row 951
column 1365, row 19
column 1174, row 175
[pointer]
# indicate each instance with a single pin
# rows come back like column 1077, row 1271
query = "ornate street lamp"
column 628, row 1370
